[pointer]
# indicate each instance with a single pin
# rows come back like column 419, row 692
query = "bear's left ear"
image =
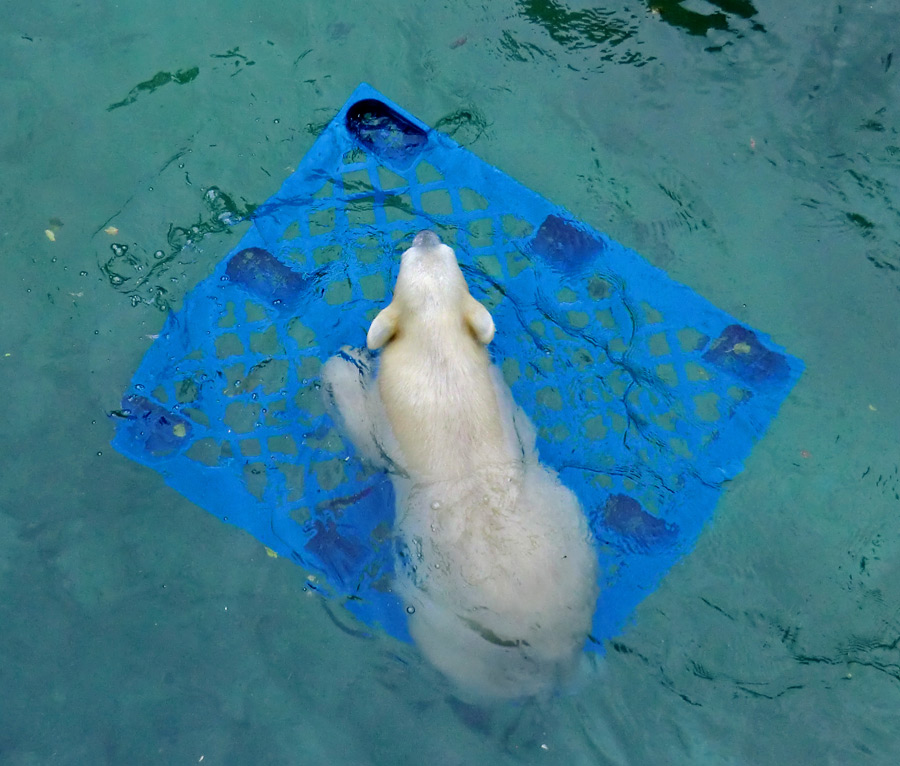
column 383, row 327
column 479, row 319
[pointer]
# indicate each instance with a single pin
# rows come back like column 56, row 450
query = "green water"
column 749, row 149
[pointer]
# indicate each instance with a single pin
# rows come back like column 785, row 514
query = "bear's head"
column 430, row 289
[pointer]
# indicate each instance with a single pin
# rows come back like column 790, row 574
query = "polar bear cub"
column 494, row 558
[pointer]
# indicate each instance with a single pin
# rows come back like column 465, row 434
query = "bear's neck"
column 442, row 405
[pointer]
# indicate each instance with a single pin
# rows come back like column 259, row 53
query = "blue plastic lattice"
column 646, row 397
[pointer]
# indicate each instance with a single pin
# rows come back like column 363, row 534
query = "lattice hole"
column 298, row 256
column 228, row 318
column 490, row 265
column 331, row 442
column 186, row 391
column 517, row 262
column 696, row 372
column 550, row 398
column 606, row 319
column 368, row 250
column 255, row 479
column 578, row 319
column 566, row 295
column 292, row 231
column 242, row 417
column 666, row 420
column 361, row 212
column 492, row 298
column 690, row 339
column 617, row 382
column 581, row 359
column 437, row 202
column 330, row 474
column 544, row 364
column 516, row 228
column 472, row 200
column 559, row 433
column 254, row 312
column 658, row 345
column 206, row 451
column 326, row 254
column 275, row 413
column 481, row 232
column 357, row 182
column 373, row 287
column 229, row 345
column 326, row 190
column 302, row 335
column 706, row 406
column 651, row 315
column 595, row 428
column 598, row 288
column 266, row 342
column 388, row 179
column 308, row 367
column 667, row 375
column 321, row 221
column 338, row 292
column 250, row 447
column 447, row 232
column 427, row 173
column 398, row 207
column 198, row 416
column 309, row 401
column 282, row 444
column 295, row 479
column 511, row 371
column 617, row 345
column 354, row 156
column 270, row 374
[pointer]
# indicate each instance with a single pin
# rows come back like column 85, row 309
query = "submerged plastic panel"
column 646, row 397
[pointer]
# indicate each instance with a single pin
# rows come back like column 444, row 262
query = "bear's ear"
column 479, row 319
column 382, row 328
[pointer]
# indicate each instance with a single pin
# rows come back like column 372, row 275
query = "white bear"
column 494, row 559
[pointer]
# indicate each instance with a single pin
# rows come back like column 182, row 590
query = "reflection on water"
column 181, row 77
column 579, row 29
column 697, row 23
column 844, row 139
column 465, row 125
column 612, row 32
column 146, row 273
column 605, row 28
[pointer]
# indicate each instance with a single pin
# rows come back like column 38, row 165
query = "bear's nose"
column 426, row 238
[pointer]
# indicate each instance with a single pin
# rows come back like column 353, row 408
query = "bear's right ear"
column 479, row 319
column 383, row 327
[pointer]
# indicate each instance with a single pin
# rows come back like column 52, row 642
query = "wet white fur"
column 494, row 553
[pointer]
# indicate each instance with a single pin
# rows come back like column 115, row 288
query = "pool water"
column 749, row 151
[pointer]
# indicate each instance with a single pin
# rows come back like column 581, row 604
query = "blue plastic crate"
column 646, row 397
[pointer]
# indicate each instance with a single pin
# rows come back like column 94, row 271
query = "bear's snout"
column 427, row 239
